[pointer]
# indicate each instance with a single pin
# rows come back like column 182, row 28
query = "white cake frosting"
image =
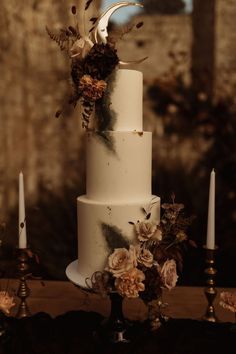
column 118, row 184
column 127, row 100
column 125, row 174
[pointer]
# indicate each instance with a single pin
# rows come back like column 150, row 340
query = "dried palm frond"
column 65, row 38
column 119, row 33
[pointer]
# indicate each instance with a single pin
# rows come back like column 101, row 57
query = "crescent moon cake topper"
column 100, row 31
column 93, row 56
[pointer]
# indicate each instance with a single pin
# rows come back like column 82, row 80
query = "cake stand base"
column 73, row 274
column 115, row 328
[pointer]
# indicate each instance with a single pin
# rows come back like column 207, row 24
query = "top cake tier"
column 127, row 100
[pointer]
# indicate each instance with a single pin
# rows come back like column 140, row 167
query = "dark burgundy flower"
column 100, row 61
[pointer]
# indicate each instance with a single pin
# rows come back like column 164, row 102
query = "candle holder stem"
column 210, row 290
column 23, row 289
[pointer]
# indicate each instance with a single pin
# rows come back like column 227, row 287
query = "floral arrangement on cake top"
column 93, row 57
column 143, row 269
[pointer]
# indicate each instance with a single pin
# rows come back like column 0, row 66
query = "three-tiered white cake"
column 118, row 184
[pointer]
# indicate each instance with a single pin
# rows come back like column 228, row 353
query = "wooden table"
column 58, row 297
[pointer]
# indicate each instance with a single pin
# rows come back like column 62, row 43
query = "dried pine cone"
column 101, row 61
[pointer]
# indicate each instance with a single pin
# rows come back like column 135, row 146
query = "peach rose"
column 145, row 230
column 145, row 257
column 168, row 274
column 120, row 261
column 6, row 302
column 130, row 283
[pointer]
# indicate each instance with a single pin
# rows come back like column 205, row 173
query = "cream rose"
column 168, row 274
column 145, row 230
column 130, row 283
column 120, row 261
column 144, row 257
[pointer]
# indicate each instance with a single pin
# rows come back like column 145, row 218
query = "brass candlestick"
column 23, row 290
column 210, row 290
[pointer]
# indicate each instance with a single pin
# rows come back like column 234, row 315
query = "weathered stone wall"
column 165, row 40
column 225, row 67
column 33, row 85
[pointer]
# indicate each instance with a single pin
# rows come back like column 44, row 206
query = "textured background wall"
column 225, row 68
column 33, row 85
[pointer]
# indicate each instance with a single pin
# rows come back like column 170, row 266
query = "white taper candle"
column 210, row 242
column 22, row 222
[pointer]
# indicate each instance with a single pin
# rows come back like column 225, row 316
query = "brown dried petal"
column 139, row 25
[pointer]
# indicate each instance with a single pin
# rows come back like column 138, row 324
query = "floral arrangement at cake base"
column 151, row 263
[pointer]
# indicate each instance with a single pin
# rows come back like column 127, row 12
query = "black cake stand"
column 115, row 328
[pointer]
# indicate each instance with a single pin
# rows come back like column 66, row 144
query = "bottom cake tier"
column 104, row 226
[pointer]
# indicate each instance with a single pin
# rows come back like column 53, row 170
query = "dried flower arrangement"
column 151, row 263
column 93, row 60
column 6, row 302
column 228, row 301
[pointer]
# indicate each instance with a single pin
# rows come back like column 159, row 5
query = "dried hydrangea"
column 91, row 89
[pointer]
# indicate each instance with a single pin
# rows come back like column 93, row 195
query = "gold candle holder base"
column 23, row 289
column 210, row 290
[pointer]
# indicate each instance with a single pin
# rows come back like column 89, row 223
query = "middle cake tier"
column 121, row 173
